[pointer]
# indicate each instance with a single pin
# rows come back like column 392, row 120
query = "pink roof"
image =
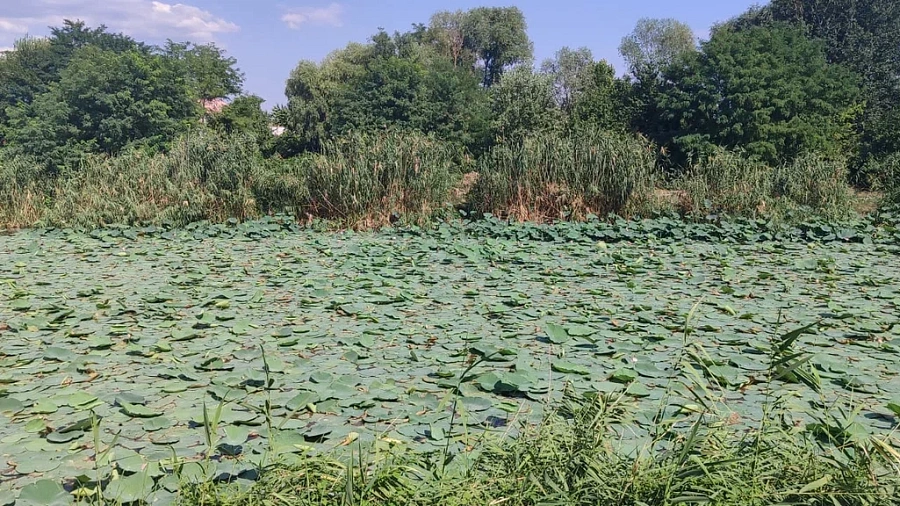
column 214, row 105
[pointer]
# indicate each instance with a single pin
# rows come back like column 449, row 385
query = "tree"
column 104, row 100
column 587, row 91
column 243, row 115
column 403, row 81
column 306, row 117
column 766, row 90
column 523, row 103
column 210, row 73
column 602, row 101
column 498, row 37
column 448, row 31
column 28, row 70
column 453, row 106
column 569, row 68
column 863, row 35
column 25, row 72
column 655, row 43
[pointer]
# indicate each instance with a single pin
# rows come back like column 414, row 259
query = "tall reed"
column 364, row 179
column 550, row 177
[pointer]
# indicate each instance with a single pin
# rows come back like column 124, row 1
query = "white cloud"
column 330, row 15
column 10, row 26
column 138, row 18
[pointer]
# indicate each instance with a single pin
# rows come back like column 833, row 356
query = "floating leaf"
column 557, row 334
column 138, row 411
column 44, row 493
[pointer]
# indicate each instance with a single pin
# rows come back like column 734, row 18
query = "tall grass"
column 369, row 180
column 23, row 191
column 550, row 177
column 364, row 179
column 815, row 182
column 725, row 182
column 361, row 180
column 204, row 176
column 728, row 183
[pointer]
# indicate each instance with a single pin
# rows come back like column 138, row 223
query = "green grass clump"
column 726, row 182
column 817, row 183
column 576, row 457
column 551, row 177
column 23, row 190
column 203, row 176
column 364, row 179
column 582, row 454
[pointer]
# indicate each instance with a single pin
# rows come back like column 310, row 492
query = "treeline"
column 795, row 94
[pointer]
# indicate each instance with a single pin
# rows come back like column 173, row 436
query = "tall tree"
column 655, row 43
column 522, row 103
column 587, row 91
column 210, row 72
column 767, row 90
column 448, row 29
column 569, row 68
column 34, row 64
column 25, row 72
column 603, row 100
column 103, row 101
column 498, row 37
column 863, row 35
column 243, row 115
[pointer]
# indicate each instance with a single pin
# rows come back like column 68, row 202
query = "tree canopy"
column 767, row 90
column 773, row 83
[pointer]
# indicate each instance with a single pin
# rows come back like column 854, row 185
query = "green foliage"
column 729, row 183
column 306, row 117
column 203, row 176
column 654, row 44
column 550, row 177
column 103, row 101
column 523, row 104
column 23, row 190
column 367, row 179
column 400, row 82
column 816, row 182
column 243, row 115
column 24, row 73
column 767, row 90
column 862, row 35
column 447, row 30
column 498, row 37
column 210, row 74
column 587, row 91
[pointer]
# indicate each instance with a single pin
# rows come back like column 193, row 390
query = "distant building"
column 276, row 130
column 213, row 105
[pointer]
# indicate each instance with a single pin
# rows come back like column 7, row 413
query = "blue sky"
column 269, row 37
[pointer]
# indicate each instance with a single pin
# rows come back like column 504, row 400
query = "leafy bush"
column 547, row 176
column 882, row 175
